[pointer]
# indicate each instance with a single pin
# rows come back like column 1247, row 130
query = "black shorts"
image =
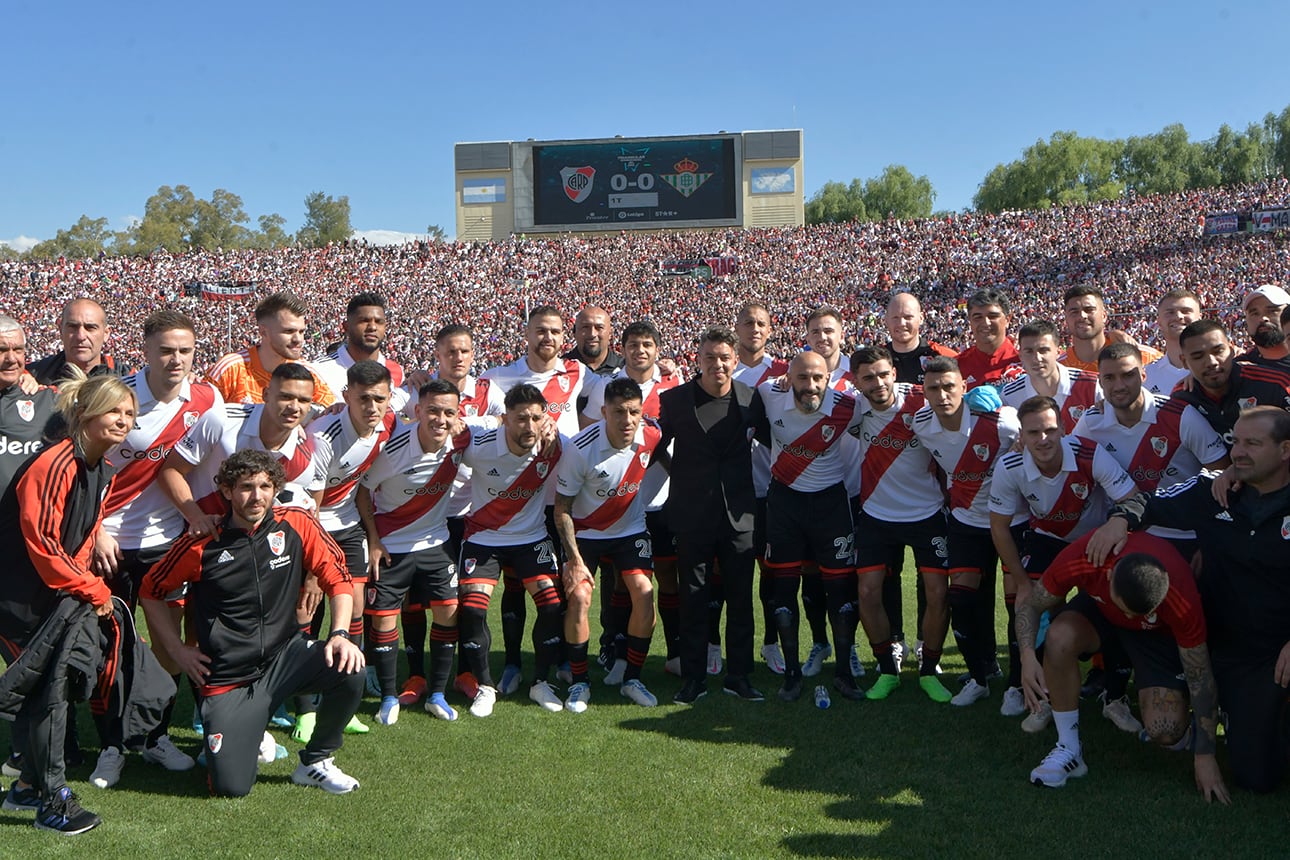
column 528, row 561
column 353, row 542
column 1038, row 551
column 456, row 533
column 759, row 528
column 660, row 535
column 802, row 527
column 130, row 570
column 427, row 577
column 626, row 555
column 971, row 549
column 876, row 540
column 1152, row 653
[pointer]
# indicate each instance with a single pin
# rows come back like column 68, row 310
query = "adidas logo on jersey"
column 1110, row 447
column 224, row 556
column 604, row 474
column 779, row 422
column 494, row 473
column 1223, row 516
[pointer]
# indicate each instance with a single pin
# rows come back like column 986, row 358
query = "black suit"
column 710, row 509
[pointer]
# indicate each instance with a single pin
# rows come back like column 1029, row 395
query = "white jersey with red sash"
column 508, row 492
column 411, row 488
column 334, row 369
column 479, row 399
column 967, row 456
column 136, row 511
column 605, row 482
column 1169, row 444
column 1077, row 391
column 849, row 448
column 561, row 386
column 808, row 449
column 1071, row 503
column 897, row 484
column 654, row 487
column 220, row 433
column 341, row 457
column 752, row 376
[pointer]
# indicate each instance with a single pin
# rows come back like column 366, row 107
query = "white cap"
column 1271, row 292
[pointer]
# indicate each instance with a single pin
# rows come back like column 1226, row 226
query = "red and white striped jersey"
column 341, row 457
column 479, row 398
column 654, row 487
column 1069, row 504
column 849, row 448
column 136, row 511
column 1077, row 391
column 752, row 376
column 967, row 456
column 334, row 369
column 605, row 482
column 561, row 386
column 219, row 433
column 808, row 449
column 508, row 493
column 411, row 489
column 897, row 484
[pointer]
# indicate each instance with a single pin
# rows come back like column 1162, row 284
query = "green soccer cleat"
column 935, row 690
column 882, row 688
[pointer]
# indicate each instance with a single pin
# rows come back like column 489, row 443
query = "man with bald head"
column 83, row 329
column 808, row 515
column 592, row 334
column 909, row 349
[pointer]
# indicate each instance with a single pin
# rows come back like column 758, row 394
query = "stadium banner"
column 489, row 190
column 225, row 290
column 1267, row 220
column 1219, row 224
column 772, row 180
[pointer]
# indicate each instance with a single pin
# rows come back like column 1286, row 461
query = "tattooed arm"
column 1026, row 626
column 1204, row 703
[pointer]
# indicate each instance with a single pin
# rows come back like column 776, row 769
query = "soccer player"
column 1143, row 603
column 753, row 329
column 1086, row 319
column 807, row 512
column 1178, row 308
column 1073, row 390
column 908, row 349
column 242, row 377
column 899, row 506
column 966, row 445
column 403, row 503
column 600, row 515
column 992, row 359
column 1224, row 388
column 1244, row 586
column 139, row 522
column 364, row 328
column 1262, row 309
column 243, row 580
column 83, row 330
column 506, row 527
column 560, row 380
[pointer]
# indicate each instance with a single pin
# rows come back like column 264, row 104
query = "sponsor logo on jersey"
column 277, row 542
column 26, row 409
column 494, row 473
column 225, row 556
column 578, row 182
column 15, row 446
column 1223, row 517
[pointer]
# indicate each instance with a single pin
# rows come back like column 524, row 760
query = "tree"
column 326, row 220
column 897, row 193
column 835, row 202
column 218, row 222
column 88, row 237
column 168, row 220
column 271, row 234
column 435, row 234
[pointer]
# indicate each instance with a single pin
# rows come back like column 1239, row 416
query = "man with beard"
column 1178, row 309
column 1086, row 319
column 364, row 328
column 592, row 333
column 1224, row 387
column 1263, row 308
column 242, row 377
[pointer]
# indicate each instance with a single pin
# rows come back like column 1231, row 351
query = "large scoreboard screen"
column 635, row 182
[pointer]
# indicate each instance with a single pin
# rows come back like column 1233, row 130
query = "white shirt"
column 605, row 482
column 411, row 488
column 967, row 456
column 897, row 484
column 508, row 492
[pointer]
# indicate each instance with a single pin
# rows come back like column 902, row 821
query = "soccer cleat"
column 714, row 659
column 388, row 715
column 847, row 689
column 466, row 684
column 899, row 651
column 482, row 704
column 414, row 690
column 564, row 674
column 815, row 659
column 857, row 665
column 605, row 658
column 304, row 728
column 542, row 693
column 579, row 696
column 12, row 766
column 1034, row 723
column 741, row 688
column 268, row 751
column 372, row 686
column 673, row 666
column 19, row 799
column 971, row 693
column 1117, row 711
column 1014, row 702
column 615, row 676
column 935, row 690
column 774, row 657
column 63, row 814
column 792, row 689
column 918, row 652
column 325, row 775
column 1058, row 766
column 690, row 692
column 164, row 753
column 107, row 772
column 882, row 688
column 281, row 719
column 438, row 706
column 511, row 680
column 198, row 726
column 636, row 692
column 355, row 726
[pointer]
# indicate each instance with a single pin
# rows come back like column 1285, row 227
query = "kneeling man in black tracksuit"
column 244, row 584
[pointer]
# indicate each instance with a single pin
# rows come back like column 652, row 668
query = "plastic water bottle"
column 822, row 697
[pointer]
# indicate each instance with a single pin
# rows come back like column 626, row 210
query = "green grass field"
column 901, row 778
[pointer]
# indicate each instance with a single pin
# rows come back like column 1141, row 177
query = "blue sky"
column 106, row 102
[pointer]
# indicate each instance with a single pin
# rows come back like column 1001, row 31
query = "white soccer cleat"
column 615, row 675
column 437, row 706
column 107, row 772
column 971, row 693
column 1118, row 712
column 815, row 659
column 512, row 677
column 857, row 665
column 579, row 696
column 388, row 715
column 714, row 659
column 774, row 658
column 484, row 701
column 268, row 751
column 899, row 651
column 1058, row 766
column 635, row 691
column 1014, row 702
column 325, row 775
column 167, row 755
column 542, row 693
column 1035, row 723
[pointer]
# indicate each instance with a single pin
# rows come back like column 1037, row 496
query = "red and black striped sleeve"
column 323, row 558
column 182, row 563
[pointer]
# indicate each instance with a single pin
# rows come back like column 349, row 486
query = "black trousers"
column 235, row 720
column 1257, row 718
column 697, row 554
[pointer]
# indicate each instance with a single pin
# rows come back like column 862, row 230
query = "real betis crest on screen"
column 687, row 178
